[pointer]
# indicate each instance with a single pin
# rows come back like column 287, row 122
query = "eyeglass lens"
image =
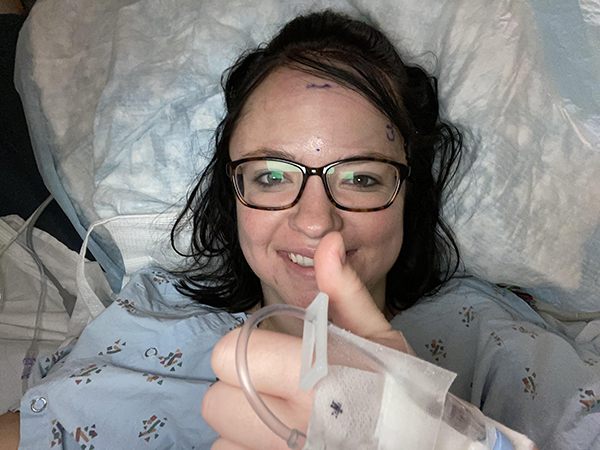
column 352, row 184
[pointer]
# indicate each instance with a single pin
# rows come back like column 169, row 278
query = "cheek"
column 242, row 224
column 255, row 231
column 382, row 237
column 247, row 232
column 387, row 236
column 386, row 227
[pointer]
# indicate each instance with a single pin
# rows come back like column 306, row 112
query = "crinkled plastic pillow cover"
column 122, row 99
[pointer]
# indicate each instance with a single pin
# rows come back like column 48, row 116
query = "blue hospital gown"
column 134, row 380
column 138, row 373
column 514, row 366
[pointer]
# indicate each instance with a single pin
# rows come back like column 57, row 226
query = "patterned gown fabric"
column 134, row 380
column 137, row 375
column 539, row 378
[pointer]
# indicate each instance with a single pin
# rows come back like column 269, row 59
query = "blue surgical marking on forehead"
column 318, row 86
column 318, row 149
column 390, row 133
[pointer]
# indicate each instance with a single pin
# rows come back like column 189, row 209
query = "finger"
column 274, row 361
column 350, row 303
column 228, row 413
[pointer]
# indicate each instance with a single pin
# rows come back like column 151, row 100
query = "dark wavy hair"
column 359, row 57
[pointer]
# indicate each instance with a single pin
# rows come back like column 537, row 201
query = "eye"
column 271, row 178
column 360, row 180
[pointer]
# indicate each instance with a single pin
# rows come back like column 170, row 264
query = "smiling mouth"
column 303, row 261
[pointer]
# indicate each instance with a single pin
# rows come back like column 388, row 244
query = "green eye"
column 270, row 178
column 275, row 176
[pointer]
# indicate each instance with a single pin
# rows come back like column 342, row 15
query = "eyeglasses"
column 354, row 184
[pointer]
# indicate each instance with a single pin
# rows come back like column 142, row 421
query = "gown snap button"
column 38, row 404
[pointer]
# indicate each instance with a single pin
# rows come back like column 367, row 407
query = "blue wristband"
column 502, row 442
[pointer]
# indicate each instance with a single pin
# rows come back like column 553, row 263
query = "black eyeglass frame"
column 403, row 170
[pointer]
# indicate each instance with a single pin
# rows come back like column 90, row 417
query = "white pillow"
column 122, row 99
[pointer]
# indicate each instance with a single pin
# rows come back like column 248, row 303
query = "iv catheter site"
column 366, row 396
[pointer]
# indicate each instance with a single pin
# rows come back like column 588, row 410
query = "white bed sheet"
column 122, row 98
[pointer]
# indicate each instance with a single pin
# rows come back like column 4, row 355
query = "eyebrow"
column 282, row 154
column 374, row 155
column 270, row 153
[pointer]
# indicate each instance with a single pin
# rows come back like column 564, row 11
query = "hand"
column 276, row 377
column 274, row 363
column 351, row 306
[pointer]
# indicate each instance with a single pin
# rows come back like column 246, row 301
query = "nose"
column 314, row 215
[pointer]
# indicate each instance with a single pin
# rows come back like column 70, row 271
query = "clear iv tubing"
column 458, row 414
column 295, row 439
column 32, row 351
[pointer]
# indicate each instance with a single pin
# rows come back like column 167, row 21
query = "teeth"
column 303, row 261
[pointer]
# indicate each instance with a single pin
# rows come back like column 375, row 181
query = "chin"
column 305, row 300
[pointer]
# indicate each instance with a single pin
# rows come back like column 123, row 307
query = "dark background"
column 21, row 187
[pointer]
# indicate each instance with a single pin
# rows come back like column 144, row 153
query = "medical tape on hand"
column 398, row 406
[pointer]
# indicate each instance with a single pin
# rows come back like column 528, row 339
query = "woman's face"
column 300, row 117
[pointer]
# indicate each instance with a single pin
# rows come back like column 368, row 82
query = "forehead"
column 309, row 119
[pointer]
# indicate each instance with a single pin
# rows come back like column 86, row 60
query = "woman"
column 327, row 89
column 326, row 92
column 329, row 97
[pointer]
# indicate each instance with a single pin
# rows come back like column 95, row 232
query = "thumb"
column 350, row 304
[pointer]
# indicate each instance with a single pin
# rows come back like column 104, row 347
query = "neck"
column 280, row 324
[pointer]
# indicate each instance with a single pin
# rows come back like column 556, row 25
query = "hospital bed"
column 122, row 98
